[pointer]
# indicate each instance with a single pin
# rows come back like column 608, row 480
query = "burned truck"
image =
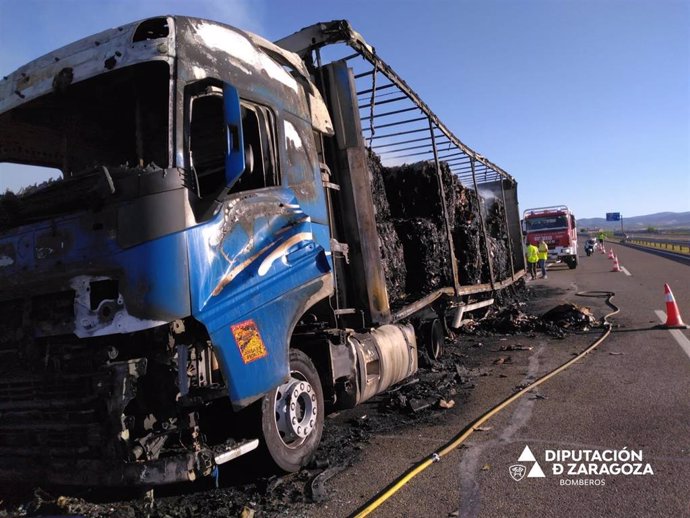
column 236, row 245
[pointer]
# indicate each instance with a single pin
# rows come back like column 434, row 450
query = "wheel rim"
column 434, row 342
column 296, row 408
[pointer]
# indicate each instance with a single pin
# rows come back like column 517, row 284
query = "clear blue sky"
column 585, row 102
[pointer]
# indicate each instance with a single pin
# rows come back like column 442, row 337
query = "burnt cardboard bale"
column 467, row 237
column 426, row 255
column 470, row 251
column 498, row 239
column 390, row 247
column 413, row 236
column 413, row 191
column 500, row 259
column 416, row 206
column 393, row 259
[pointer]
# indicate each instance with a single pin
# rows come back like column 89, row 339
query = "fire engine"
column 556, row 226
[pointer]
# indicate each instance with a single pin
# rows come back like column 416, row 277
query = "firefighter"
column 543, row 255
column 532, row 253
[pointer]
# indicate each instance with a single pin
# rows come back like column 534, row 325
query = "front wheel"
column 292, row 415
column 572, row 262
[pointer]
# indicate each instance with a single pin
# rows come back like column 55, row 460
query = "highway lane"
column 634, row 394
column 631, row 394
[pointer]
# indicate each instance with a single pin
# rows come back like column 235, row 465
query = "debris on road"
column 446, row 404
column 516, row 347
column 318, row 484
column 570, row 316
column 417, row 405
column 511, row 319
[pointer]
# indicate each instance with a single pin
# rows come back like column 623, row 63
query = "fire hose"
column 461, row 436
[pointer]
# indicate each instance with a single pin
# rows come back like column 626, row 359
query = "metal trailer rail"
column 401, row 128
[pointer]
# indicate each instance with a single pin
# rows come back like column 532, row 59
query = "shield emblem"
column 517, row 471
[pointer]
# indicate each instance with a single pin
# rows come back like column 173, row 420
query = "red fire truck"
column 556, row 226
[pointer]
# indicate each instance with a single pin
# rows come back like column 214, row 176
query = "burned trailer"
column 206, row 278
column 439, row 206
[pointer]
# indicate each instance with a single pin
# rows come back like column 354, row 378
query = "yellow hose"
column 456, row 441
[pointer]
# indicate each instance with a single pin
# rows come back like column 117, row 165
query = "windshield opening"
column 117, row 119
column 62, row 152
column 19, row 178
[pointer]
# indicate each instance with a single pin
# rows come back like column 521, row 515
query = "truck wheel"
column 433, row 338
column 572, row 263
column 292, row 415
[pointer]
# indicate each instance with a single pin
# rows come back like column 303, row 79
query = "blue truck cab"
column 204, row 279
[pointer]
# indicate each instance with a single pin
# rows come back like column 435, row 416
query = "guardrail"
column 677, row 246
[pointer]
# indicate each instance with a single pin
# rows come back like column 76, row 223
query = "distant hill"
column 659, row 220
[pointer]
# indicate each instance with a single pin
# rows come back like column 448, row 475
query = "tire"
column 433, row 338
column 292, row 416
column 572, row 262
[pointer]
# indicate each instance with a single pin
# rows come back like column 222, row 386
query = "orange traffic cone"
column 611, row 254
column 616, row 266
column 603, row 249
column 673, row 320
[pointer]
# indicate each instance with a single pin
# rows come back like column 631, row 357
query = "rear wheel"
column 433, row 338
column 430, row 338
column 292, row 415
column 572, row 262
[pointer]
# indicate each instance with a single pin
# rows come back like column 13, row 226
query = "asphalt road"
column 626, row 406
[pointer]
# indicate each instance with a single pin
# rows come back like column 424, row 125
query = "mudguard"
column 254, row 269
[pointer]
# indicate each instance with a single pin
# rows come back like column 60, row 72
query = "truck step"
column 237, row 450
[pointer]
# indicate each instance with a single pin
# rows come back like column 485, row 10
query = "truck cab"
column 167, row 268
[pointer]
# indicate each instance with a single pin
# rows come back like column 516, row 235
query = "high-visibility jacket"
column 532, row 253
column 543, row 251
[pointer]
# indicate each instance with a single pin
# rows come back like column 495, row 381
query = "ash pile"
column 414, row 244
column 511, row 319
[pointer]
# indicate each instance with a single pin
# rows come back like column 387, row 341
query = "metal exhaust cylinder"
column 385, row 356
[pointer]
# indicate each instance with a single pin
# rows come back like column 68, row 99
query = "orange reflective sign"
column 249, row 341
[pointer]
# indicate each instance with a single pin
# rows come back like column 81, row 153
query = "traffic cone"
column 616, row 266
column 603, row 249
column 611, row 254
column 673, row 320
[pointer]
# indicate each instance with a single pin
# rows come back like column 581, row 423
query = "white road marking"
column 473, row 458
column 676, row 333
column 625, row 271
